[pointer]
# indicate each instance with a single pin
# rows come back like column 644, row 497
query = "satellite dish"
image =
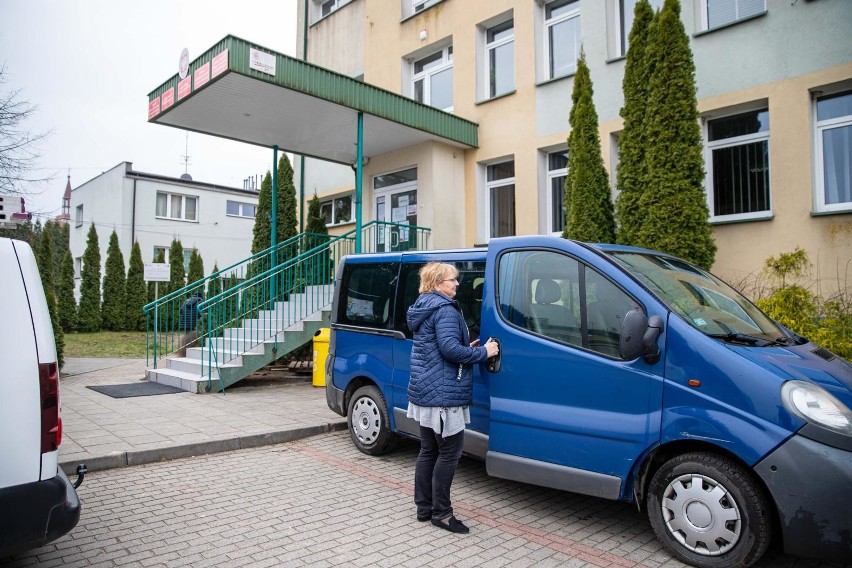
column 186, row 177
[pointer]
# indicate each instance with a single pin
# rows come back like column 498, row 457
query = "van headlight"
column 814, row 404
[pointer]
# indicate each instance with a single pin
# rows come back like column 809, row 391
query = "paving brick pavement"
column 319, row 502
column 104, row 432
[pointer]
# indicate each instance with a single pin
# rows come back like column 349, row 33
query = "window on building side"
column 626, row 10
column 158, row 251
column 176, row 206
column 328, row 6
column 240, row 209
column 433, row 79
column 717, row 13
column 500, row 188
column 78, row 216
column 738, row 168
column 420, row 5
column 337, row 210
column 500, row 56
column 557, row 170
column 78, row 266
column 562, row 36
column 834, row 152
column 187, row 254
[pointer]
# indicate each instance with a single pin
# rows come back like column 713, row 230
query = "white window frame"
column 548, row 25
column 165, row 253
column 241, row 207
column 333, row 5
column 78, row 216
column 489, row 185
column 332, row 201
column 621, row 32
column 728, row 143
column 489, row 47
column 819, row 186
column 78, row 267
column 549, row 176
column 420, row 5
column 705, row 14
column 183, row 201
column 427, row 74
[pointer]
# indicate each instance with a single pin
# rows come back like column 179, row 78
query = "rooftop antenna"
column 186, row 161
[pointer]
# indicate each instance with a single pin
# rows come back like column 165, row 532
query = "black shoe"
column 424, row 518
column 451, row 524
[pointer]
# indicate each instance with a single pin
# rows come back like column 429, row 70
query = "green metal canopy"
column 243, row 91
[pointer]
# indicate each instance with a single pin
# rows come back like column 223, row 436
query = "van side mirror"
column 632, row 331
column 639, row 336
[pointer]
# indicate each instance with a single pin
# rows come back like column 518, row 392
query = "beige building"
column 774, row 82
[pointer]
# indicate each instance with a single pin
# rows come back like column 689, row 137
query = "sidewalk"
column 103, row 432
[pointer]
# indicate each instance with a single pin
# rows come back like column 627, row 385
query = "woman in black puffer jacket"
column 440, row 390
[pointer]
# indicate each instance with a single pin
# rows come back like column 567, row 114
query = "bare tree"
column 19, row 148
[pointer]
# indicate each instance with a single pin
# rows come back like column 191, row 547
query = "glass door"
column 396, row 210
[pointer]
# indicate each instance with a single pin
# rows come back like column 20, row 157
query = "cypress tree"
column 588, row 203
column 66, row 303
column 89, row 311
column 177, row 274
column 631, row 143
column 196, row 268
column 136, row 291
column 263, row 216
column 288, row 221
column 113, row 314
column 214, row 285
column 673, row 202
column 45, row 266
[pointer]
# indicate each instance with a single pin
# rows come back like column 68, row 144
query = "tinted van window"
column 365, row 294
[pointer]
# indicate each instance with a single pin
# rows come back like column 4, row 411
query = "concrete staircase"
column 257, row 342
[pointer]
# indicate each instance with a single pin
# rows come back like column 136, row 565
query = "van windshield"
column 703, row 300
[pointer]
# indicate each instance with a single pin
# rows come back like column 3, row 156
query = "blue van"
column 625, row 374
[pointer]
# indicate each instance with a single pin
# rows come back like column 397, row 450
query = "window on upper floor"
column 500, row 59
column 176, row 206
column 337, row 210
column 420, row 5
column 738, row 166
column 834, row 152
column 323, row 8
column 78, row 216
column 557, row 171
column 500, row 193
column 718, row 13
column 562, row 37
column 240, row 209
column 432, row 79
column 624, row 22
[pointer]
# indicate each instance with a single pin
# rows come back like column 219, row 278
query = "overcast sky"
column 88, row 65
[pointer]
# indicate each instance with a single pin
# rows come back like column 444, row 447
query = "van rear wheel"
column 369, row 425
column 709, row 512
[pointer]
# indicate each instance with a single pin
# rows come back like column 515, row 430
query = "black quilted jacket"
column 441, row 356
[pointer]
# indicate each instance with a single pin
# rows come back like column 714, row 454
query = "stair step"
column 190, row 382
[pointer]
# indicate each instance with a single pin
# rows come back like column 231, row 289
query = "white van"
column 38, row 503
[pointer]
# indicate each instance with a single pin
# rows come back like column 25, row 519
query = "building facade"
column 216, row 221
column 774, row 82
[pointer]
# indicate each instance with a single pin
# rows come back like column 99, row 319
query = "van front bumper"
column 811, row 484
column 34, row 514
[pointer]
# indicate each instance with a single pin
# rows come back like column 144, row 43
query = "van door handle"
column 492, row 365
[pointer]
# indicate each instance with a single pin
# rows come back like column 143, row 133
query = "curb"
column 141, row 457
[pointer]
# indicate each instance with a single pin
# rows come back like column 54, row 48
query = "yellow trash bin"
column 321, row 338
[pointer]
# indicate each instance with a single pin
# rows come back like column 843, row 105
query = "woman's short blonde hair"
column 434, row 273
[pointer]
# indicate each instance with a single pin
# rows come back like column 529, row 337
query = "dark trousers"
column 433, row 474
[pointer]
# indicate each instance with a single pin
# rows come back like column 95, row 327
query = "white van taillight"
column 51, row 424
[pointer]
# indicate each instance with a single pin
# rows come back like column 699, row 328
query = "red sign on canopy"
column 220, row 63
column 202, row 75
column 184, row 87
column 153, row 108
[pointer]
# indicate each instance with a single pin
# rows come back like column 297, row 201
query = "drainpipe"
column 301, row 157
column 133, row 217
column 359, row 176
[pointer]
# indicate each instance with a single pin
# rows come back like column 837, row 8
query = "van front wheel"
column 709, row 512
column 368, row 422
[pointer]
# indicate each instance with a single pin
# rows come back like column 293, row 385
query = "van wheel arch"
column 368, row 419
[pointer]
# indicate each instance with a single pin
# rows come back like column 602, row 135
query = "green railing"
column 379, row 236
column 257, row 311
column 172, row 324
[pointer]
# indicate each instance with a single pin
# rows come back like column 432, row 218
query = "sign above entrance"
column 262, row 61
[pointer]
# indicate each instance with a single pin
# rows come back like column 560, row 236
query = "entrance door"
column 396, row 210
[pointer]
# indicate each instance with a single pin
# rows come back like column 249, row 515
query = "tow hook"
column 81, row 473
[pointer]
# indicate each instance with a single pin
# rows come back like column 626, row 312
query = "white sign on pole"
column 156, row 272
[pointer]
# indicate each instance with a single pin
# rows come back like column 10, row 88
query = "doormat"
column 142, row 388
